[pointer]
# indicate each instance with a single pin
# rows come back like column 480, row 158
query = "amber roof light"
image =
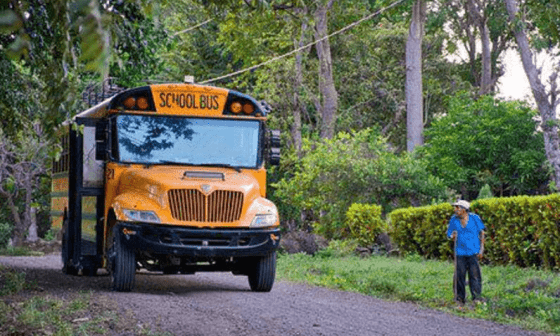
column 238, row 103
column 139, row 99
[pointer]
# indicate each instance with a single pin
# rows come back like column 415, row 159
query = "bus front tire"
column 261, row 277
column 123, row 268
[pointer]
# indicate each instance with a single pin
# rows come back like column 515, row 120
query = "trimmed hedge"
column 365, row 223
column 521, row 230
column 422, row 230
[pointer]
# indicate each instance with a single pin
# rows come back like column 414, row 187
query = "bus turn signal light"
column 129, row 103
column 236, row 107
column 142, row 103
column 248, row 108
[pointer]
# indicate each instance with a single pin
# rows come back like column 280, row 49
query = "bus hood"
column 206, row 180
column 163, row 189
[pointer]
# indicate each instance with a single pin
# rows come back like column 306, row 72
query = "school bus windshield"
column 182, row 140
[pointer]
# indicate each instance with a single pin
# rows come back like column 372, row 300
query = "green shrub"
column 50, row 235
column 485, row 192
column 422, row 230
column 352, row 168
column 339, row 248
column 365, row 222
column 14, row 282
column 520, row 230
column 5, row 233
column 487, row 141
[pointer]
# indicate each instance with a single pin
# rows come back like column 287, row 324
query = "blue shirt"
column 468, row 239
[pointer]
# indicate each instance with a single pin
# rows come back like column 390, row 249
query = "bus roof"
column 102, row 109
column 95, row 112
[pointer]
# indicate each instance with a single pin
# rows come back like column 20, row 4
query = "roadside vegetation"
column 528, row 298
column 25, row 309
column 19, row 251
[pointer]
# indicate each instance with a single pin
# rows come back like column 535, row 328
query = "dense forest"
column 379, row 101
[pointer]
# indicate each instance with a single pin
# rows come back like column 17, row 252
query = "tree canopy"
column 349, row 87
column 487, row 141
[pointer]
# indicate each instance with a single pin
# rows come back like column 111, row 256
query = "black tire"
column 170, row 270
column 123, row 270
column 67, row 267
column 261, row 278
column 90, row 271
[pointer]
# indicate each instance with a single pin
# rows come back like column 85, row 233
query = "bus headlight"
column 141, row 216
column 263, row 220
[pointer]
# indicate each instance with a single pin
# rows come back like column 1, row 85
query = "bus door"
column 85, row 200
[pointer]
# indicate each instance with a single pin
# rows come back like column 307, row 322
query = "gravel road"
column 222, row 304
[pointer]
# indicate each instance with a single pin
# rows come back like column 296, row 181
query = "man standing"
column 467, row 230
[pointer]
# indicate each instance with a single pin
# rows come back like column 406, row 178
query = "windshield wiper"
column 220, row 165
column 173, row 163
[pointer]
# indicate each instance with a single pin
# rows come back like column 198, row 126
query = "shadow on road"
column 46, row 274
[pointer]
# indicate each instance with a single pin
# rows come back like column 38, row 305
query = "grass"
column 528, row 298
column 24, row 310
column 20, row 251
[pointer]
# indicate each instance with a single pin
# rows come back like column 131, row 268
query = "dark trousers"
column 468, row 264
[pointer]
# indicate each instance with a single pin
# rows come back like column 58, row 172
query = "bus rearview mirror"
column 274, row 147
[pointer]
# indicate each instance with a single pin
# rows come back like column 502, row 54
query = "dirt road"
column 222, row 304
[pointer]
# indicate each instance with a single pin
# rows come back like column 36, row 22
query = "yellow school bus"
column 169, row 178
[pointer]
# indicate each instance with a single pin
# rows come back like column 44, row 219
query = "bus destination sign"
column 190, row 99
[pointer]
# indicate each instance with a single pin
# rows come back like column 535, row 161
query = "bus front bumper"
column 182, row 241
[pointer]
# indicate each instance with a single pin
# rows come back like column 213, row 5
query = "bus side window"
column 63, row 163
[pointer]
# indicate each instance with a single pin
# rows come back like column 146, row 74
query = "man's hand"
column 453, row 235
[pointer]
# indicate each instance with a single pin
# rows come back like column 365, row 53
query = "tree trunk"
column 414, row 97
column 546, row 102
column 32, row 235
column 297, row 103
column 326, row 81
column 477, row 12
column 470, row 45
column 486, row 85
column 18, row 233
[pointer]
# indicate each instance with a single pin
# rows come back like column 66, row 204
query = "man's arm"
column 451, row 229
column 481, row 252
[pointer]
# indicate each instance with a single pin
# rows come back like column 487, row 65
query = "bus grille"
column 191, row 205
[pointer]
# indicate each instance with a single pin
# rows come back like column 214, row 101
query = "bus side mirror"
column 274, row 147
column 101, row 140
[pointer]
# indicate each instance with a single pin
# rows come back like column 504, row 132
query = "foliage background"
column 52, row 51
column 353, row 168
column 487, row 141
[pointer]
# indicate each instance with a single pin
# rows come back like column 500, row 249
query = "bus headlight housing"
column 141, row 216
column 264, row 220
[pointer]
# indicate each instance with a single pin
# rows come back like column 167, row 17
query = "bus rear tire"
column 90, row 271
column 123, row 270
column 261, row 277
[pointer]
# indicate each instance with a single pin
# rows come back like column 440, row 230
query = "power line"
column 352, row 25
column 191, row 28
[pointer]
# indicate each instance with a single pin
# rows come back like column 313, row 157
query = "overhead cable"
column 396, row 3
column 191, row 28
